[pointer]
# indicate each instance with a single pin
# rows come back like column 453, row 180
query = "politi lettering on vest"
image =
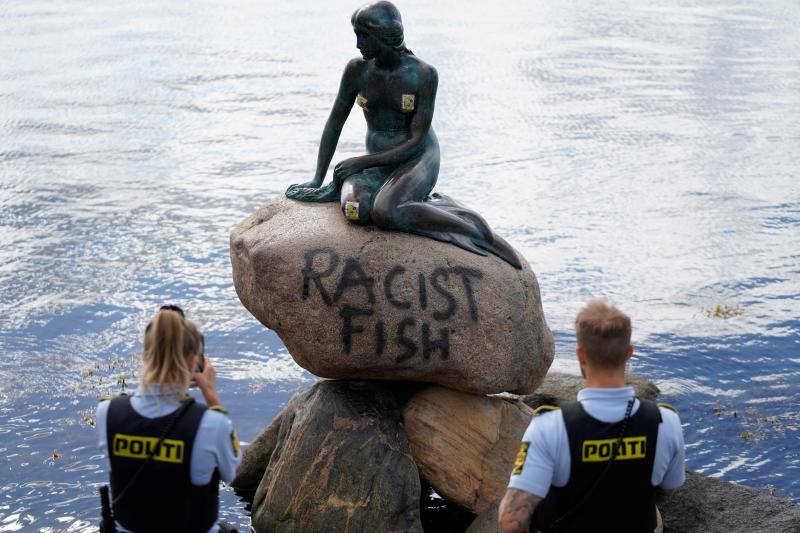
column 595, row 451
column 138, row 447
column 345, row 284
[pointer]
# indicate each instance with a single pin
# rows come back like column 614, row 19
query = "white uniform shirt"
column 213, row 444
column 548, row 459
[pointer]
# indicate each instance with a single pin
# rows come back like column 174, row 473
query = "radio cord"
column 556, row 523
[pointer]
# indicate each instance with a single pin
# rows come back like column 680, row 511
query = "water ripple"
column 649, row 152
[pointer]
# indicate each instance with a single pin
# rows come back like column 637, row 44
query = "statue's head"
column 378, row 25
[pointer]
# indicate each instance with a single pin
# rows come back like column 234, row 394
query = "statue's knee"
column 357, row 207
column 382, row 213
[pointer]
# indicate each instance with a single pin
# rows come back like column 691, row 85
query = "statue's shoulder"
column 354, row 72
column 357, row 64
column 426, row 70
column 417, row 63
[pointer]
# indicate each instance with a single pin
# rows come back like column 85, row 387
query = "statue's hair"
column 382, row 20
column 605, row 333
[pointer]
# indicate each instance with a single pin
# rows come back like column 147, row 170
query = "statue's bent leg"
column 358, row 193
column 402, row 204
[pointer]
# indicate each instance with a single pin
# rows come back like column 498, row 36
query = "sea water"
column 642, row 152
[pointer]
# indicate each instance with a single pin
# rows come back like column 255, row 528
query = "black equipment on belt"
column 107, row 524
column 625, row 501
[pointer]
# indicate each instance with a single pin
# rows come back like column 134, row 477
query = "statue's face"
column 367, row 45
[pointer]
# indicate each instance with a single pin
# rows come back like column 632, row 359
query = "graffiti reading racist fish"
column 339, row 282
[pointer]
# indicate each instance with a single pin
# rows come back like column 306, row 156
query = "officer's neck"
column 602, row 378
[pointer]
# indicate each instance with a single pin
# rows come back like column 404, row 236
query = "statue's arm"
column 348, row 90
column 402, row 152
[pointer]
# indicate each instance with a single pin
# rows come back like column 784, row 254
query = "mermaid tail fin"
column 489, row 241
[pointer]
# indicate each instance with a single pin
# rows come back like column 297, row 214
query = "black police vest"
column 624, row 501
column 163, row 497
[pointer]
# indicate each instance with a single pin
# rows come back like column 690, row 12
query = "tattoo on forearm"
column 516, row 511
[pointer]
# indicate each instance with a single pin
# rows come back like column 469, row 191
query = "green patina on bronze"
column 390, row 186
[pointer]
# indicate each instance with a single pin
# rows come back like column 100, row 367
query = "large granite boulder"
column 488, row 521
column 703, row 505
column 708, row 505
column 356, row 302
column 335, row 459
column 464, row 444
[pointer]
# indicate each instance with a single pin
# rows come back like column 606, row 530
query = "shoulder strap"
column 118, row 407
column 544, row 409
column 649, row 411
column 183, row 409
column 667, row 406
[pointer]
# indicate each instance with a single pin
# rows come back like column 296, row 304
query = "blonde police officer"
column 175, row 488
column 599, row 463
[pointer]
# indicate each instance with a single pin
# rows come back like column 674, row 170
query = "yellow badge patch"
column 351, row 210
column 408, row 103
column 361, row 101
column 136, row 447
column 235, row 443
column 519, row 462
column 595, row 451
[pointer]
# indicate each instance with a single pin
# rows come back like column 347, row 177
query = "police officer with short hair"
column 601, row 462
column 168, row 452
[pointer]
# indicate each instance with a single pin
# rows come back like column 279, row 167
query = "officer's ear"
column 581, row 353
column 629, row 353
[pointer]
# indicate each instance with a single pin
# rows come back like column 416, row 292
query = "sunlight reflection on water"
column 637, row 152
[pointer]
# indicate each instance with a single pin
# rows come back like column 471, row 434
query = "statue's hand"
column 301, row 191
column 313, row 184
column 347, row 168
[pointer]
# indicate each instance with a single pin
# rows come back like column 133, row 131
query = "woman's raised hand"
column 207, row 383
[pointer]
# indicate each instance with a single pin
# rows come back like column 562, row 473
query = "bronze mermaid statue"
column 391, row 185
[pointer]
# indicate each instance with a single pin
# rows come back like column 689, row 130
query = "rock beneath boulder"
column 257, row 455
column 703, row 505
column 336, row 459
column 464, row 444
column 558, row 387
column 708, row 505
column 487, row 521
column 355, row 302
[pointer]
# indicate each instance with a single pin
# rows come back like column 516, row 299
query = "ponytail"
column 169, row 341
